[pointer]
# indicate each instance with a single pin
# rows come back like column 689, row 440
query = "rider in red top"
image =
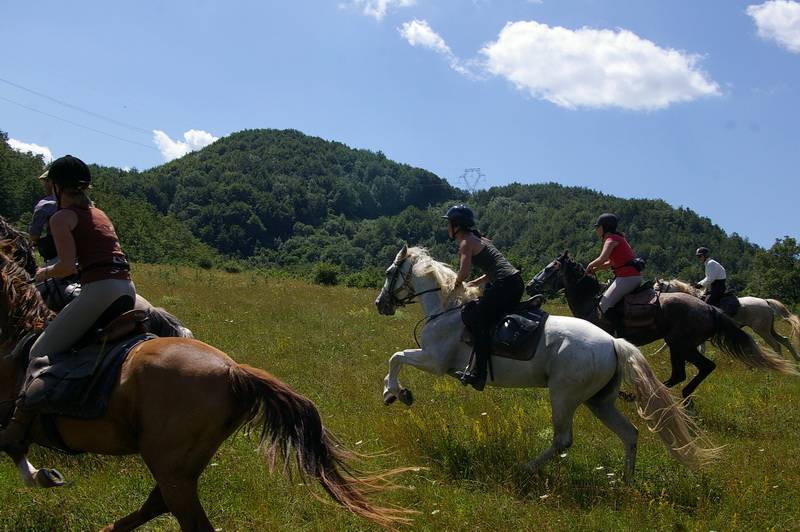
column 618, row 256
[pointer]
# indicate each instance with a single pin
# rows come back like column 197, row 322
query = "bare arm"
column 61, row 225
column 465, row 262
column 602, row 262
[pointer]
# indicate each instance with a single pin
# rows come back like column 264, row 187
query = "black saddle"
column 517, row 333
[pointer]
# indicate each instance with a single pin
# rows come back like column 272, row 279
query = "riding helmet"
column 702, row 252
column 607, row 221
column 461, row 216
column 69, row 171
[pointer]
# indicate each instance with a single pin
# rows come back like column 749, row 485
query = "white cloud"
column 419, row 33
column 778, row 20
column 377, row 9
column 26, row 147
column 194, row 139
column 594, row 68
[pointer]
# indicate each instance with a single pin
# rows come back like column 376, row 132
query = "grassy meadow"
column 330, row 344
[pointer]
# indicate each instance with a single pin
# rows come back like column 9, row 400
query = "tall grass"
column 330, row 344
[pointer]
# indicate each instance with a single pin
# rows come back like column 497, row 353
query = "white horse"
column 757, row 313
column 579, row 362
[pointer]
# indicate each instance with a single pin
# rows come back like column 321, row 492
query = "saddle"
column 640, row 308
column 517, row 333
column 78, row 383
column 728, row 303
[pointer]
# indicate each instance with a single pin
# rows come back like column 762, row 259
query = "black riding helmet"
column 461, row 216
column 608, row 221
column 69, row 171
column 702, row 252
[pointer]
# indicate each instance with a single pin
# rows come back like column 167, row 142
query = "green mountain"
column 284, row 199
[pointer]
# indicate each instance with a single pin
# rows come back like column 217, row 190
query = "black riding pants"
column 498, row 298
column 715, row 292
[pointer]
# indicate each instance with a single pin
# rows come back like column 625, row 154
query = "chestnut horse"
column 175, row 402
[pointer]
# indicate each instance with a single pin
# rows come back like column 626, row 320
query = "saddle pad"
column 642, row 297
column 77, row 383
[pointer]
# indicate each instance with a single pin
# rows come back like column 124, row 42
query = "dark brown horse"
column 683, row 321
column 175, row 402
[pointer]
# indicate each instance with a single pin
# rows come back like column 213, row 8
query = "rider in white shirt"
column 714, row 281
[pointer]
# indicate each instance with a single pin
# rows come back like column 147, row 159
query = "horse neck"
column 432, row 302
column 582, row 297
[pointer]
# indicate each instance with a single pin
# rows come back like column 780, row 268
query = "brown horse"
column 683, row 321
column 175, row 402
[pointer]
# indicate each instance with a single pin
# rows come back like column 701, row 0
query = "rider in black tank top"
column 503, row 291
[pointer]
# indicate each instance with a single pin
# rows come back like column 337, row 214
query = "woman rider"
column 83, row 236
column 617, row 255
column 503, row 291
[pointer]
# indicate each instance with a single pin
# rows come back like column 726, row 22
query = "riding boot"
column 612, row 317
column 14, row 436
column 475, row 372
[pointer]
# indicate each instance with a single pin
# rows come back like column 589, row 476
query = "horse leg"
column 563, row 410
column 678, row 363
column 36, row 478
column 606, row 411
column 418, row 358
column 152, row 508
column 704, row 368
column 778, row 338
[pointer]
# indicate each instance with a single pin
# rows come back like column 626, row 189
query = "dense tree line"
column 281, row 199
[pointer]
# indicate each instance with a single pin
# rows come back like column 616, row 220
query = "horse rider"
column 504, row 287
column 618, row 256
column 83, row 235
column 714, row 282
column 39, row 228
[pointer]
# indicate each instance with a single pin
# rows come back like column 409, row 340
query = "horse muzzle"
column 384, row 306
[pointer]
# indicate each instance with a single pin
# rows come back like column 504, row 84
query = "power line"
column 471, row 177
column 77, row 124
column 75, row 107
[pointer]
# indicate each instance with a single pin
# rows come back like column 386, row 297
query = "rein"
column 409, row 298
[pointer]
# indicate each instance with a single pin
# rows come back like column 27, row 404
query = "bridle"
column 407, row 277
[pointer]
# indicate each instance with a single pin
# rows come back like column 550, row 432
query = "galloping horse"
column 174, row 403
column 757, row 313
column 579, row 363
column 683, row 321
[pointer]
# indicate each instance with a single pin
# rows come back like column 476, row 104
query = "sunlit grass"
column 330, row 344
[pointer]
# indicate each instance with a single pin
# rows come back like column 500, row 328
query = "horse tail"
column 736, row 343
column 289, row 421
column 162, row 323
column 780, row 310
column 662, row 413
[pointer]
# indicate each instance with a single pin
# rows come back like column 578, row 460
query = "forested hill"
column 249, row 190
column 287, row 200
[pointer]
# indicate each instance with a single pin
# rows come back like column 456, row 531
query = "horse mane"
column 444, row 275
column 19, row 245
column 24, row 306
column 686, row 288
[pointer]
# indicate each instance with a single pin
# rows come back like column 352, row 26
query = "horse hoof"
column 406, row 397
column 627, row 397
column 389, row 400
column 49, row 478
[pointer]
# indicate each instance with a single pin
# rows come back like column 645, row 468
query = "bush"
column 205, row 263
column 232, row 267
column 324, row 273
column 369, row 278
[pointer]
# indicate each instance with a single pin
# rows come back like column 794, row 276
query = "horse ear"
column 403, row 252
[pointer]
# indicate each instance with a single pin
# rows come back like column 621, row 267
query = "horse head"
column 396, row 287
column 551, row 279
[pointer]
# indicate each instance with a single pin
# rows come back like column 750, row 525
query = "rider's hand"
column 41, row 274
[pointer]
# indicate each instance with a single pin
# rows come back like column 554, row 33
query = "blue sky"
column 692, row 102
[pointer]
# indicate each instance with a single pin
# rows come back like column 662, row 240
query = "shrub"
column 232, row 267
column 324, row 273
column 205, row 263
column 369, row 278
